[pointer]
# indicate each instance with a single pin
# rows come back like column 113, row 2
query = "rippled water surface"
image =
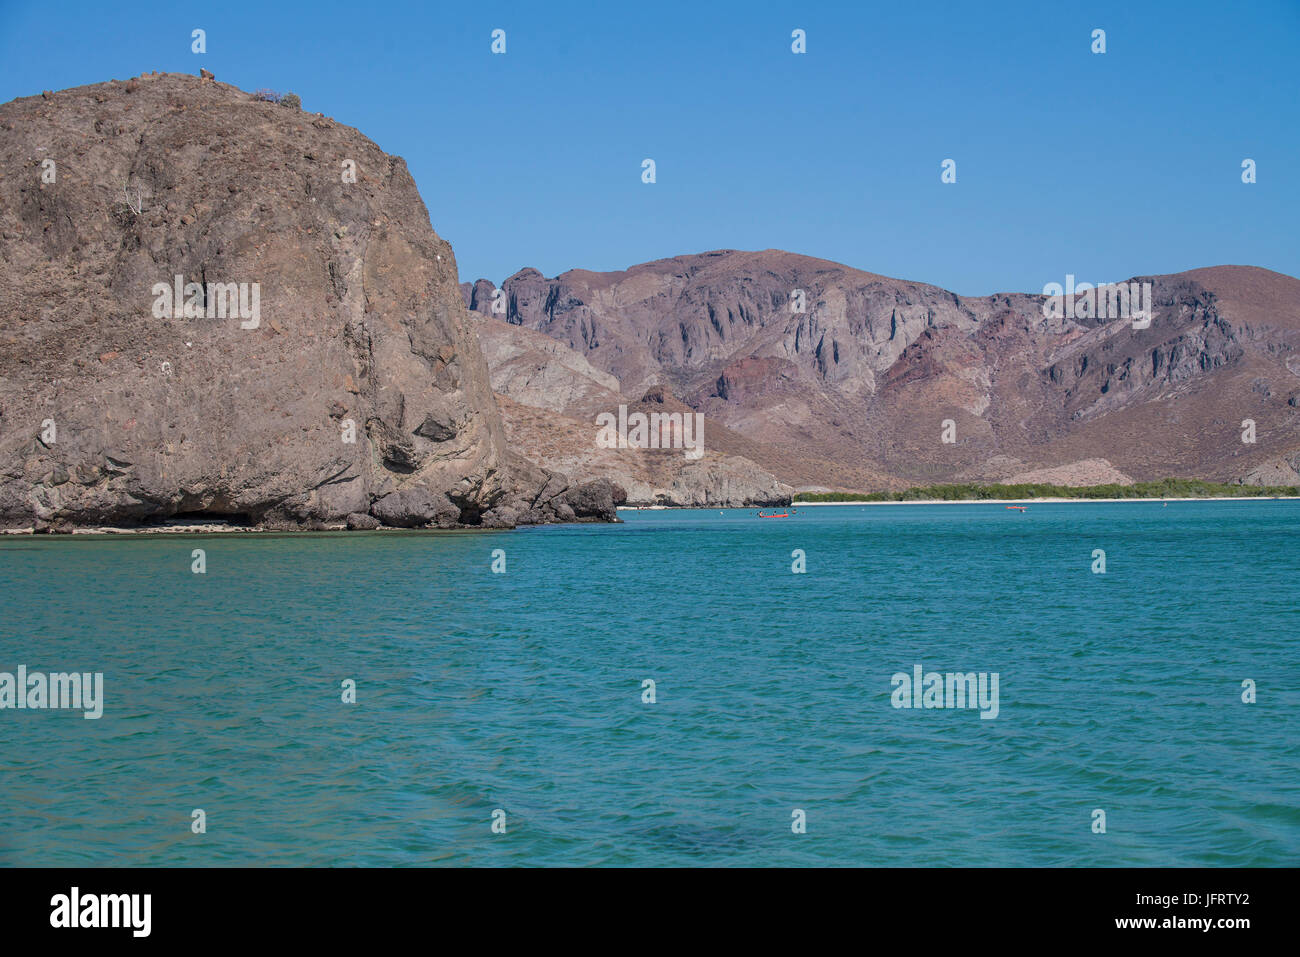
column 523, row 691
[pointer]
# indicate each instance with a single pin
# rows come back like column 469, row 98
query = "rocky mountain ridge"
column 843, row 379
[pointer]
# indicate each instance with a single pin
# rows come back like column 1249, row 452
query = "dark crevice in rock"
column 206, row 518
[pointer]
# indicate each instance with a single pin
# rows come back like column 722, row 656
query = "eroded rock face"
column 550, row 397
column 415, row 507
column 595, row 499
column 1283, row 470
column 318, row 367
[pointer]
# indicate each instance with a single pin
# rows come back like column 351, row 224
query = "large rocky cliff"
column 315, row 365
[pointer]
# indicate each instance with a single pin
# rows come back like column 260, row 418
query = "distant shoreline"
column 1005, row 493
column 963, row 501
column 1056, row 500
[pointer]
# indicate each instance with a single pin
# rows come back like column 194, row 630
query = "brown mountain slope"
column 867, row 375
column 550, row 397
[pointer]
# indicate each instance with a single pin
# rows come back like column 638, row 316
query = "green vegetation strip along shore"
column 1165, row 488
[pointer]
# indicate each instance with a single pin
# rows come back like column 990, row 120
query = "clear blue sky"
column 1104, row 166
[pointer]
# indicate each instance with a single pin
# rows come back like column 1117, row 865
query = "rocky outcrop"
column 218, row 307
column 537, row 370
column 1281, row 471
column 550, row 397
column 648, row 476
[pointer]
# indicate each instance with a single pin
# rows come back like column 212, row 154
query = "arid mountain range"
column 213, row 306
column 817, row 375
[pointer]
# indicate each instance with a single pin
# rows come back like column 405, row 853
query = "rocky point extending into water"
column 214, row 307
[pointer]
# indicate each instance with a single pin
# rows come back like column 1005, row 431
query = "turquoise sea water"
column 523, row 692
